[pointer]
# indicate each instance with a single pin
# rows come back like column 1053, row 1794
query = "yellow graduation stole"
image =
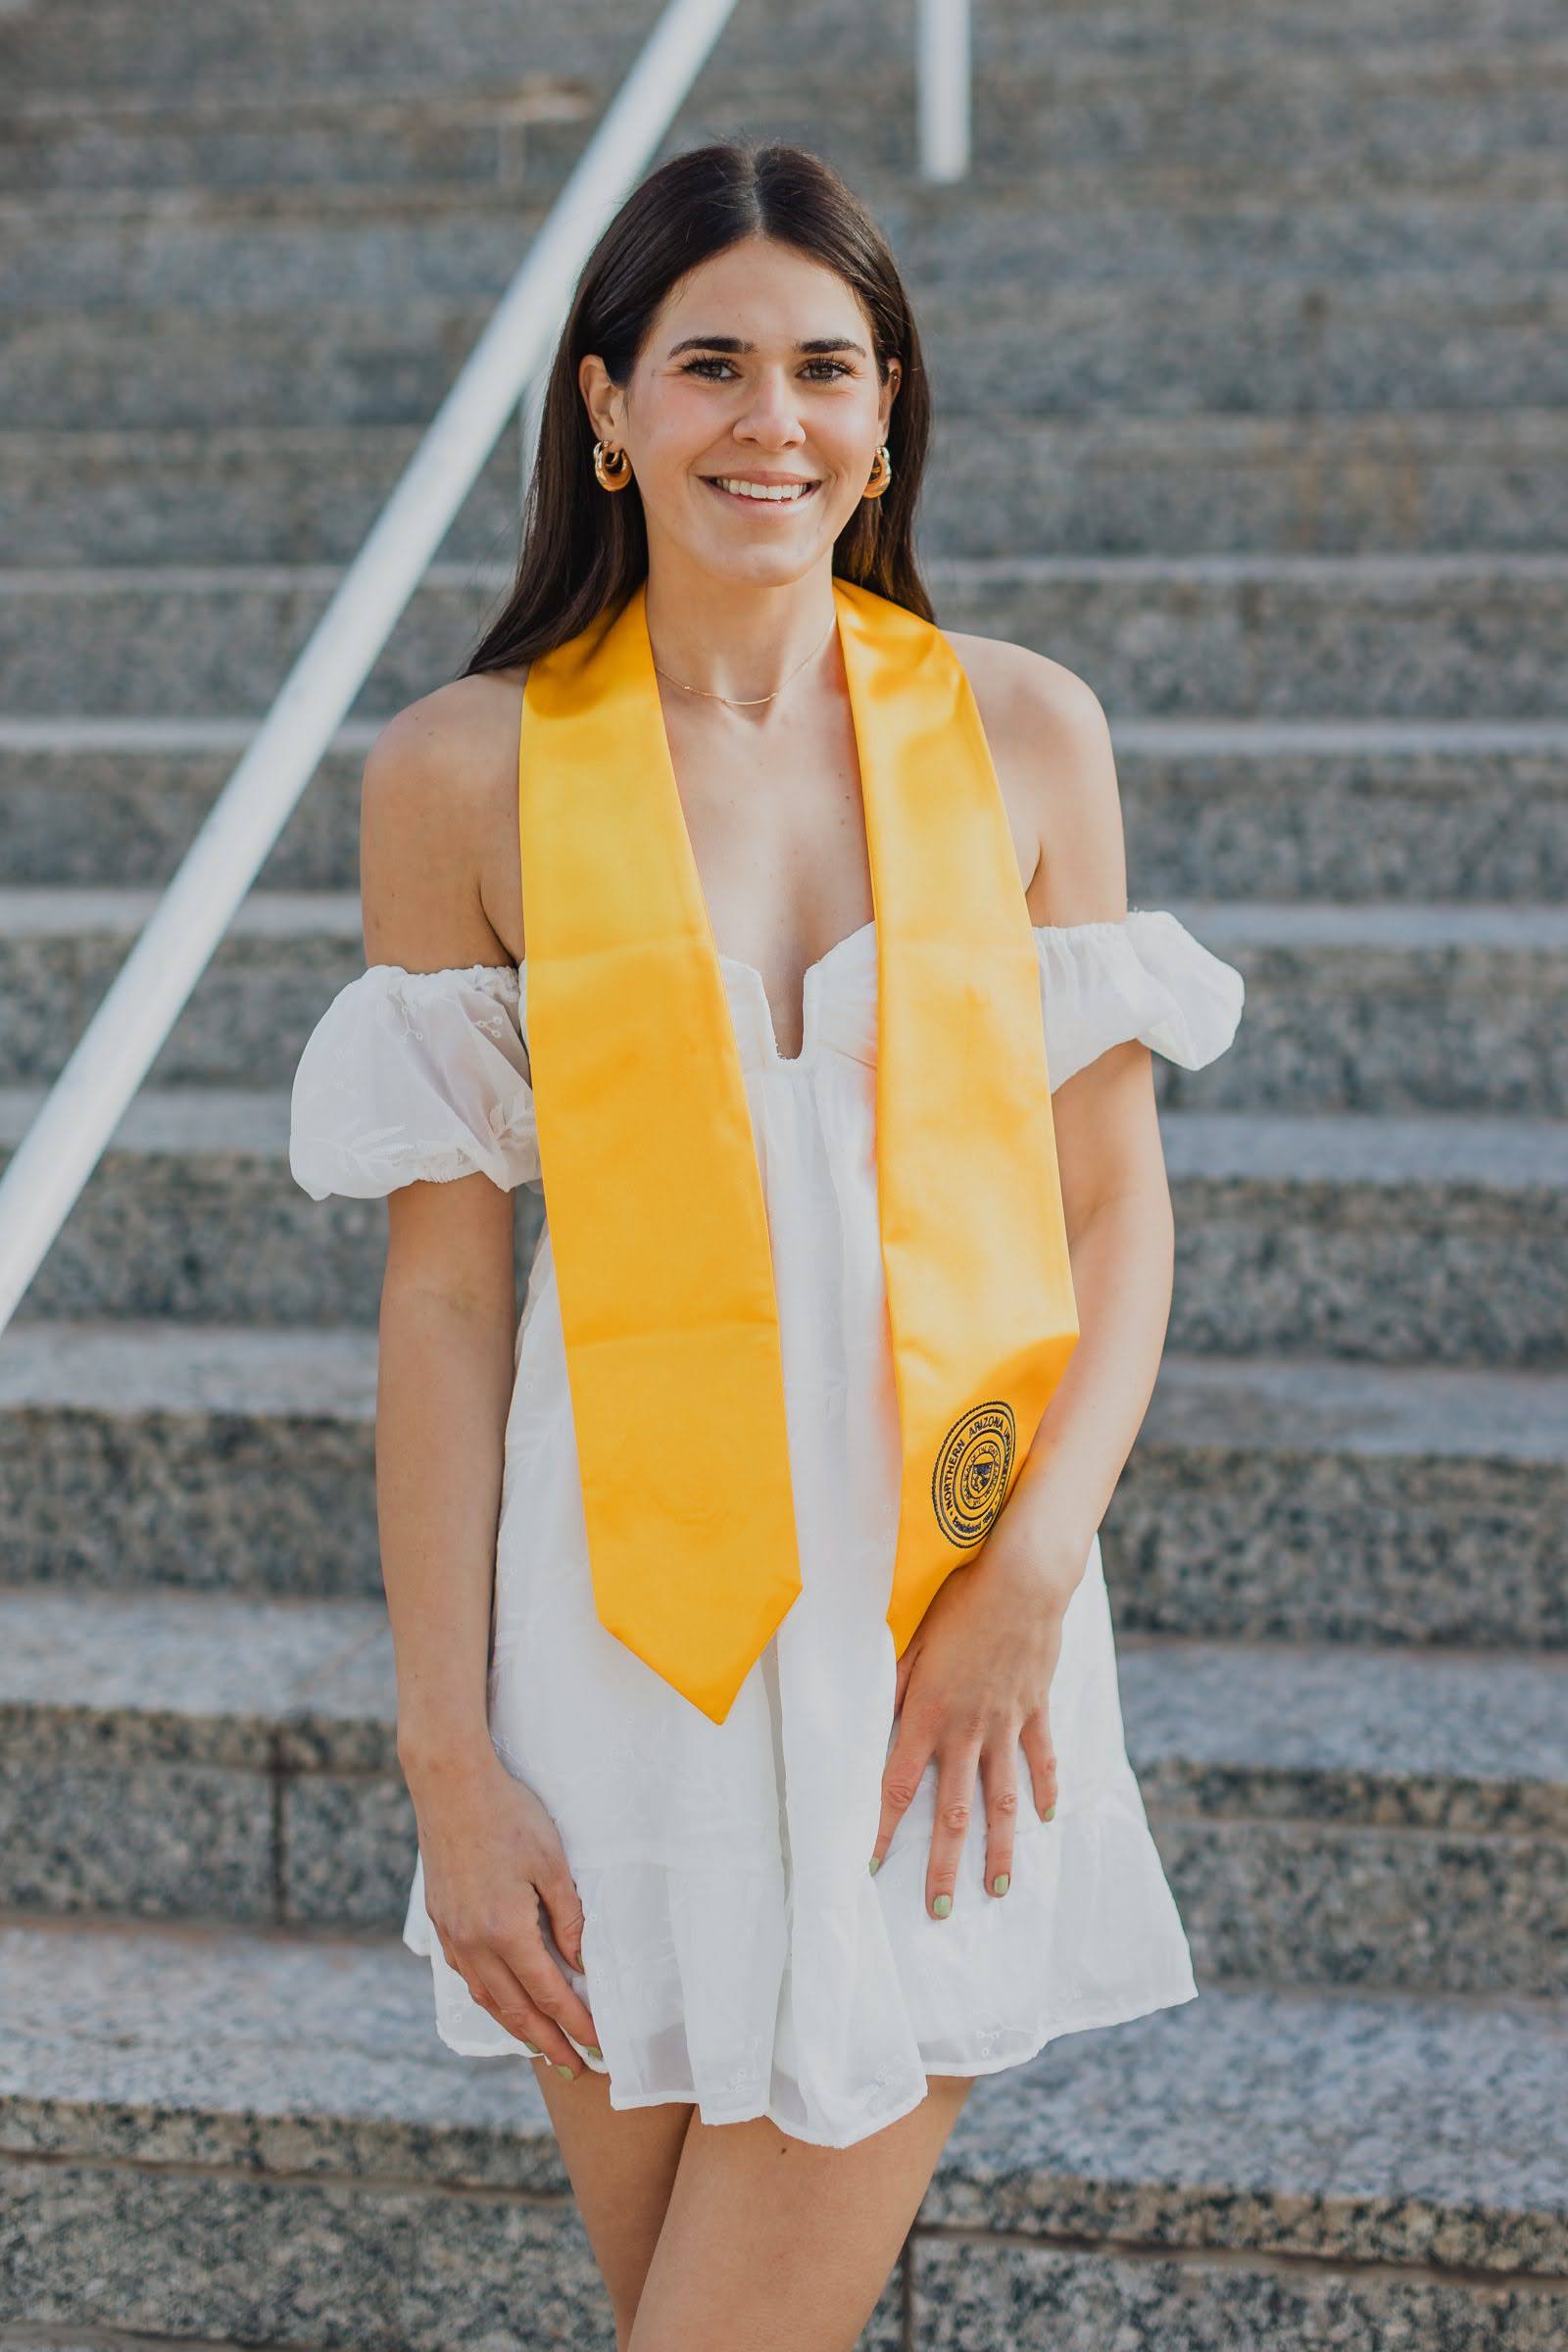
column 649, row 1161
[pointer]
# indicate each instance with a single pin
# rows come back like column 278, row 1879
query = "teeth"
column 774, row 490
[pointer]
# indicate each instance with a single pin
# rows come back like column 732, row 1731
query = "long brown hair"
column 584, row 549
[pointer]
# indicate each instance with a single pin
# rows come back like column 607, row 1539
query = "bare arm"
column 446, row 1324
column 493, row 1862
column 1122, row 1248
column 1115, row 1194
column 443, row 1385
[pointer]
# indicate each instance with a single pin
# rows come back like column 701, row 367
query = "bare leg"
column 784, row 2247
column 622, row 2164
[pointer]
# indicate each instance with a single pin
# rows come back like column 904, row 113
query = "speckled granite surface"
column 973, row 2296
column 1401, row 2129
column 292, row 2118
column 1285, row 2121
column 1333, row 1813
column 1234, row 483
column 1307, row 1499
column 1438, row 1237
column 1366, row 1007
column 143, row 1452
column 192, row 1677
column 1397, row 1239
column 1321, row 1499
column 1397, row 1736
column 1457, row 812
column 193, row 1215
column 1308, row 636
column 301, row 2158
column 298, row 2265
column 1441, row 342
column 1439, row 1740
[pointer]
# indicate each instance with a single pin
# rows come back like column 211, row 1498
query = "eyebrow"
column 816, row 343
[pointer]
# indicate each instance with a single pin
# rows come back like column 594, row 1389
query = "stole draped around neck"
column 653, row 1189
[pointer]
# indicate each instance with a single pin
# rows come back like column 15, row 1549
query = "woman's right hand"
column 493, row 1862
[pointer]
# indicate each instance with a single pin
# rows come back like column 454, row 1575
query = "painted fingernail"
column 943, row 1905
column 593, row 2049
column 876, row 1864
column 1050, row 1813
column 1001, row 1883
column 533, row 2049
column 562, row 2070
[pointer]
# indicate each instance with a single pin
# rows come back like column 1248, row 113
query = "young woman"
column 757, row 1691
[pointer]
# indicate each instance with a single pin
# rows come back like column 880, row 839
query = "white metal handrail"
column 128, row 1029
column 943, row 78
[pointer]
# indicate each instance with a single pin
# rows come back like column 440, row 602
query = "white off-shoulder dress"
column 737, row 1950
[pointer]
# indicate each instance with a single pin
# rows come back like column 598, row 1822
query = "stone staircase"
column 1251, row 346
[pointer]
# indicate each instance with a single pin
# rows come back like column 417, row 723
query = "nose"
column 771, row 417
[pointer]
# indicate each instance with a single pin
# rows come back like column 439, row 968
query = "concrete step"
column 28, row 2339
column 1358, row 1815
column 400, row 47
column 1329, row 1814
column 1441, row 114
column 1301, row 637
column 512, row 131
column 1457, row 812
column 137, row 1453
column 315, row 2169
column 1288, row 1500
column 204, row 1458
column 231, row 251
column 1277, row 637
column 1329, row 28
column 237, row 1763
column 1467, row 811
column 1308, row 2169
column 1372, row 1240
column 1262, row 1501
column 1373, row 1007
column 1118, row 485
column 1405, row 339
column 192, row 1213
column 1391, row 1008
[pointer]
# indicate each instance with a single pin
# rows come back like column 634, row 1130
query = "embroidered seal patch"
column 970, row 1478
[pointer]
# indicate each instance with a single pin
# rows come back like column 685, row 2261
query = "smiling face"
column 753, row 415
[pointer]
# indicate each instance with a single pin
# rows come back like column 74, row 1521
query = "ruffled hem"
column 414, row 1077
column 1144, row 976
column 829, row 2026
column 1082, row 2021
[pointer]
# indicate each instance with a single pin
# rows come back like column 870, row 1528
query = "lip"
column 766, row 506
column 768, row 482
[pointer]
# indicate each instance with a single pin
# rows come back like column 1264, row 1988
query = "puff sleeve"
column 414, row 1077
column 1145, row 977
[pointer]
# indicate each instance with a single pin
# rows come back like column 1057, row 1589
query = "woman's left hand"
column 974, row 1680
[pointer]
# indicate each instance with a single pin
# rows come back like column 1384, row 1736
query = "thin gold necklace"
column 749, row 701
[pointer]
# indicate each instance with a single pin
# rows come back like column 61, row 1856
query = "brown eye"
column 698, row 367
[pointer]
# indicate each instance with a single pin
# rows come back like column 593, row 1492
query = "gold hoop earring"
column 612, row 477
column 881, row 473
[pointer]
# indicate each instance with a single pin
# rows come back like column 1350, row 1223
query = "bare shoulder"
column 438, row 828
column 1051, row 741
